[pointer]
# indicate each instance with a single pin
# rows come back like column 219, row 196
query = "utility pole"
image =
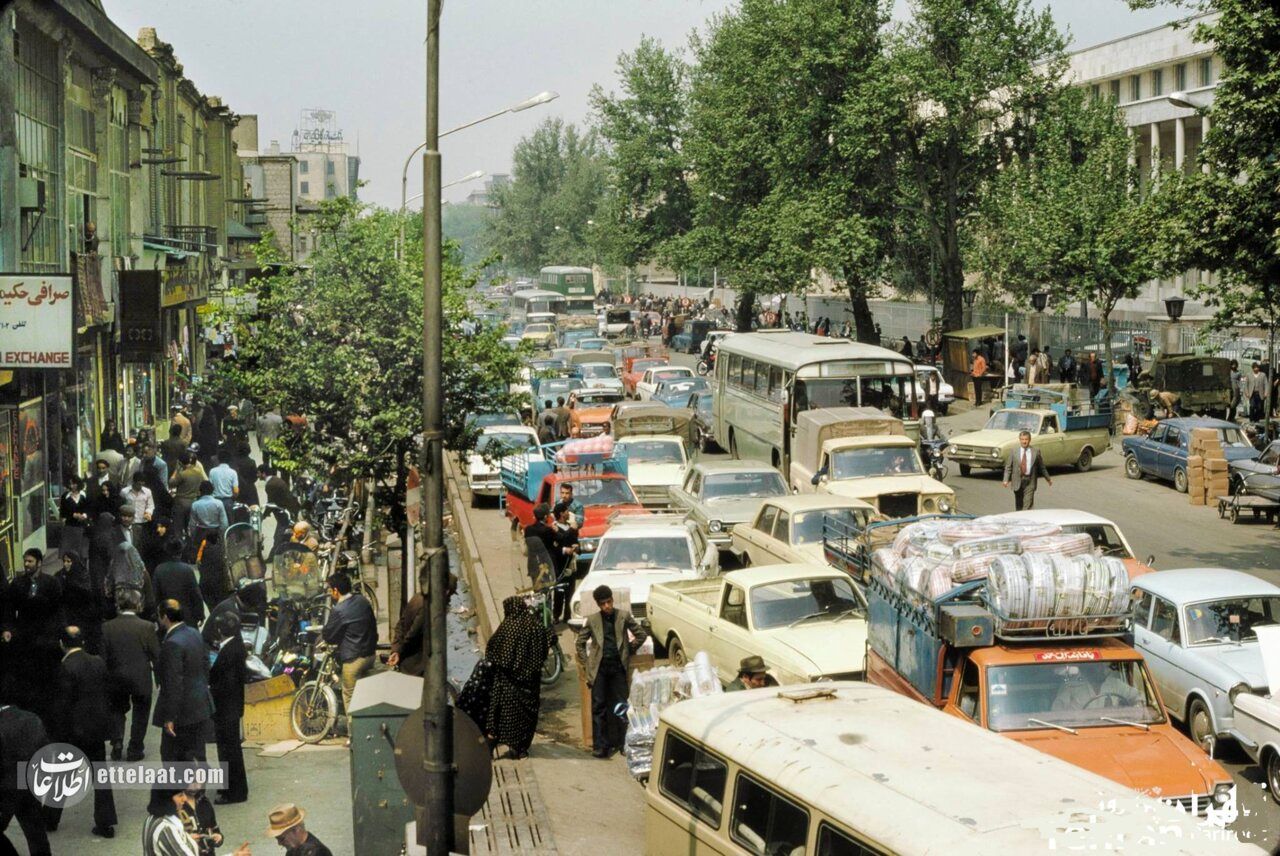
column 435, row 828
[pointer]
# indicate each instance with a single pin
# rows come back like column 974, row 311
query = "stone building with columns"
column 1141, row 72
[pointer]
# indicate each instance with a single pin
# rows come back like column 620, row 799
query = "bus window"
column 833, row 842
column 693, row 779
column 775, row 383
column 735, row 369
column 748, row 381
column 764, row 822
column 762, row 380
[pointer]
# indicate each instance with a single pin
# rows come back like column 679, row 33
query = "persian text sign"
column 36, row 321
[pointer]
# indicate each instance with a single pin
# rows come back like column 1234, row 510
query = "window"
column 762, row 380
column 306, row 188
column 781, row 528
column 777, row 382
column 766, row 823
column 1206, row 71
column 1172, row 437
column 748, row 374
column 1157, row 433
column 1180, row 76
column 1164, row 622
column 693, row 779
column 303, row 166
column 734, row 608
column 768, row 515
column 968, row 699
column 1115, row 90
column 1135, row 87
column 328, row 167
column 1096, row 90
column 1157, row 81
column 1142, row 609
column 735, row 369
column 833, row 842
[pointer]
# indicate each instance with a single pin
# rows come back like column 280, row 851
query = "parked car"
column 1106, row 536
column 1163, row 453
column 720, row 495
column 639, row 550
column 1257, row 720
column 491, row 419
column 807, row 623
column 655, row 464
column 789, row 529
column 484, row 476
column 654, row 376
column 1196, row 628
column 546, row 390
column 1259, row 476
column 703, row 420
column 676, row 393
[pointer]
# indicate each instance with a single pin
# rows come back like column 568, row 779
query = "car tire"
column 1085, row 461
column 1132, row 469
column 1200, row 724
column 1273, row 771
column 676, row 654
column 965, row 469
column 1180, row 480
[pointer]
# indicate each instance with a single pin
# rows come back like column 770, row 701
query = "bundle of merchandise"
column 601, row 446
column 653, row 690
column 1033, row 570
column 1207, row 472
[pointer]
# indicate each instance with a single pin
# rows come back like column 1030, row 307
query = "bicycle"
column 318, row 699
column 553, row 666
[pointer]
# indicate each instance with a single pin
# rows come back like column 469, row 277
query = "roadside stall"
column 957, row 358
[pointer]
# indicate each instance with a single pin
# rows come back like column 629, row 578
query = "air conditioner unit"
column 31, row 194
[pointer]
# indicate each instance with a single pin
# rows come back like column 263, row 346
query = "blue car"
column 1163, row 452
column 676, row 393
column 1196, row 629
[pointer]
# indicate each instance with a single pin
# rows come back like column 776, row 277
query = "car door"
column 686, row 495
column 1172, row 455
column 1165, row 655
column 1145, row 450
column 730, row 637
column 1051, row 441
column 758, row 534
column 780, row 543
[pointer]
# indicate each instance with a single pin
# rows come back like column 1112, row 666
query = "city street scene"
column 766, row 427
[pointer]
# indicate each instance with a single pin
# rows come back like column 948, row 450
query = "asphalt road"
column 1158, row 521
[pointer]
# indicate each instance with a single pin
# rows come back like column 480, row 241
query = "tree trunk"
column 952, row 283
column 745, row 309
column 863, row 322
column 1109, row 367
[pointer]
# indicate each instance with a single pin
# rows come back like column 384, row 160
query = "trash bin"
column 380, row 808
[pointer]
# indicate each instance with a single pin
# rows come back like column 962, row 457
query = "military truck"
column 1193, row 384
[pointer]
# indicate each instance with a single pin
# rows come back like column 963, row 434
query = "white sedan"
column 928, row 377
column 484, row 476
column 652, row 377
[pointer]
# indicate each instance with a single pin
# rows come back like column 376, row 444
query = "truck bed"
column 705, row 593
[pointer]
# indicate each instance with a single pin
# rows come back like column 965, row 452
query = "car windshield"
column 1070, row 695
column 555, row 384
column 1105, row 537
column 1235, row 437
column 1230, row 620
column 638, row 554
column 737, row 485
column 603, row 492
column 1014, row 420
column 655, row 452
column 539, row 328
column 503, row 444
column 641, row 365
column 786, row 603
column 484, row 420
column 596, row 371
column 806, row 528
column 668, row 374
column 868, row 463
column 597, row 399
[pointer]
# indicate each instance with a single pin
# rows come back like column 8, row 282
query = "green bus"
column 577, row 284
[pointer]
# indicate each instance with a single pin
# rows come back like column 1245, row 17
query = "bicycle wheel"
column 553, row 666
column 314, row 712
column 370, row 594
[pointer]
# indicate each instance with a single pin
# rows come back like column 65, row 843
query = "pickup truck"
column 633, row 369
column 1065, row 431
column 1081, row 695
column 808, row 623
column 599, row 482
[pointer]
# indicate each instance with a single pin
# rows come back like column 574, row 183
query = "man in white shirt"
column 139, row 496
column 1022, row 469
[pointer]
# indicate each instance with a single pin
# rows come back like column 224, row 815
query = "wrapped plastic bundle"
column 1063, row 544
column 1068, row 586
column 939, row 552
column 912, row 576
column 1008, row 586
column 569, row 452
column 939, row 580
column 972, row 568
column 1106, row 587
column 702, row 677
column 1024, row 530
column 902, row 540
column 971, row 530
column 1121, row 596
column 886, row 564
column 990, row 546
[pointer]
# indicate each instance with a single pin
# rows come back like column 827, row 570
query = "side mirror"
column 1150, row 561
column 817, row 477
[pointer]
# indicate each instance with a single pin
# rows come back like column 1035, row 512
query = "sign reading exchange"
column 37, row 321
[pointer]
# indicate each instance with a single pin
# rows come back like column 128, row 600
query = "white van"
column 847, row 769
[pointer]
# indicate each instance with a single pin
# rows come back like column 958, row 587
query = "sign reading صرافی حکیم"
column 37, row 321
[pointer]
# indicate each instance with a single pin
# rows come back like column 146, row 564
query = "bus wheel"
column 733, row 445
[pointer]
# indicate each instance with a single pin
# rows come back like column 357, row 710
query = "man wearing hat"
column 604, row 647
column 752, row 675
column 286, row 827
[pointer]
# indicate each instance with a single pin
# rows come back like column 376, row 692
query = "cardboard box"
column 1197, row 499
column 1216, row 465
column 1195, row 462
column 267, row 705
column 1204, row 433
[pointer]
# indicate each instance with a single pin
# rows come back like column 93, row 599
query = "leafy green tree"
column 793, row 150
column 340, row 342
column 468, row 226
column 972, row 75
column 644, row 127
column 542, row 216
column 1068, row 211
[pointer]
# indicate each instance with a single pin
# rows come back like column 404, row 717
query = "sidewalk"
column 592, row 806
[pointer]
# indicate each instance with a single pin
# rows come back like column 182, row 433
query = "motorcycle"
column 706, row 365
column 935, row 459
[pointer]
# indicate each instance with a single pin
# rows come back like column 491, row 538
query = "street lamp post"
column 1039, row 300
column 535, row 101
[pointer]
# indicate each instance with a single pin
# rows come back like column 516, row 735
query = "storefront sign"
column 36, row 321
column 183, row 283
column 140, row 316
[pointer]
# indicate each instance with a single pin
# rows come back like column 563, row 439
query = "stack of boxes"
column 1206, row 467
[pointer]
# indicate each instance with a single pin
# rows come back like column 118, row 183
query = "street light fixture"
column 1186, row 101
column 1039, row 300
column 970, row 294
column 1173, row 307
column 469, row 177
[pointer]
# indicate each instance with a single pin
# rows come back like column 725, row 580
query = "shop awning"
column 169, row 249
column 974, row 333
column 237, row 231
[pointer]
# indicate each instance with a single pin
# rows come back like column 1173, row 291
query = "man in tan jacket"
column 604, row 648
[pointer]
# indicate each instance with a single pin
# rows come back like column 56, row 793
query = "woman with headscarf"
column 82, row 606
column 127, row 571
column 103, row 538
column 516, row 653
column 215, row 585
column 151, row 546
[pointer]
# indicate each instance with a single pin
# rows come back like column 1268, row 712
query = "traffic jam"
column 827, row 620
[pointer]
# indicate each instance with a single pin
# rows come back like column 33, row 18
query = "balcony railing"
column 193, row 237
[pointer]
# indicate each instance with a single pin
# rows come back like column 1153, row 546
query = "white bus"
column 543, row 305
column 850, row 769
column 766, row 379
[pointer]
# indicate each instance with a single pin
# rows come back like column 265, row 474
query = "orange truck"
column 1072, row 688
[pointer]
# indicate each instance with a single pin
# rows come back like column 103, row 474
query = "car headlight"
column 995, row 453
column 1237, row 689
column 1222, row 793
column 944, row 505
column 951, row 450
column 715, row 526
column 929, row 504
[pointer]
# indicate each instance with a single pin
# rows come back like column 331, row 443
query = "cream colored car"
column 884, row 472
column 789, row 529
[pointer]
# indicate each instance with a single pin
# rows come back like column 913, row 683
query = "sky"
column 364, row 60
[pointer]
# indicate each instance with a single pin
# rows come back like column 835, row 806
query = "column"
column 1179, row 142
column 1155, row 151
column 1204, row 135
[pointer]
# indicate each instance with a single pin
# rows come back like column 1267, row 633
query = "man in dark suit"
column 84, row 714
column 184, row 709
column 226, row 680
column 21, row 735
column 131, row 649
column 604, row 649
column 1022, row 469
column 174, row 579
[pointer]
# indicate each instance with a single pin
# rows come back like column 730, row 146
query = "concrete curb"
column 487, row 614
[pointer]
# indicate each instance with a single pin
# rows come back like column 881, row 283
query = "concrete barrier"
column 488, row 613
